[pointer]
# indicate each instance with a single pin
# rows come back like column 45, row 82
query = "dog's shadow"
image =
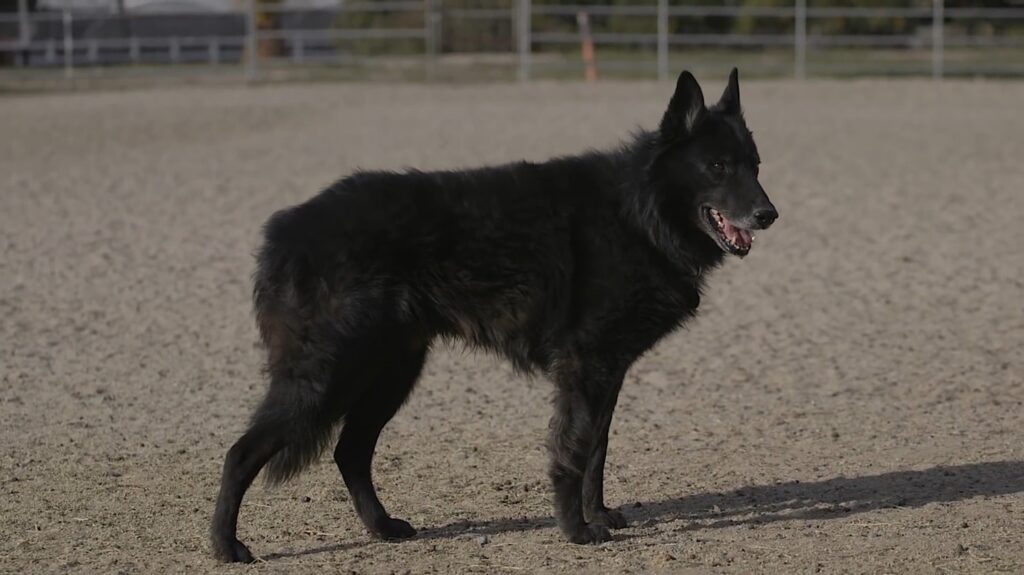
column 789, row 501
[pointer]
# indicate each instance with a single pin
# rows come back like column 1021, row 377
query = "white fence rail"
column 71, row 40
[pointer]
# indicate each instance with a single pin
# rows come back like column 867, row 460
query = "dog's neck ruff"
column 685, row 245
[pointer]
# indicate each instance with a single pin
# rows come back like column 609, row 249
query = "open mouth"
column 733, row 239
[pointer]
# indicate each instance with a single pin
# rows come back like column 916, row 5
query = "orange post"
column 587, row 46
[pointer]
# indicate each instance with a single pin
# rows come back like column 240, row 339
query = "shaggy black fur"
column 572, row 268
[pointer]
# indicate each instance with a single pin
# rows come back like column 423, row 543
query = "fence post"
column 24, row 32
column 298, row 48
column 662, row 39
column 251, row 42
column 430, row 36
column 586, row 46
column 938, row 37
column 800, row 39
column 524, row 40
column 69, row 44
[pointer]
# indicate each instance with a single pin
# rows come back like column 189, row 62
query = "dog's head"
column 707, row 156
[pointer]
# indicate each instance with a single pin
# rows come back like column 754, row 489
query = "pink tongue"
column 737, row 236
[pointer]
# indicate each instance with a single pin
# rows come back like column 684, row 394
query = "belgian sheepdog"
column 570, row 268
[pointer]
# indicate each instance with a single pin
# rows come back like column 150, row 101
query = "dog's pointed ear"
column 684, row 109
column 730, row 101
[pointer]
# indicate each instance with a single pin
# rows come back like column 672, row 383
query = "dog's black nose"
column 764, row 218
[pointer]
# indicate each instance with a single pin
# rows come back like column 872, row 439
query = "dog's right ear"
column 684, row 110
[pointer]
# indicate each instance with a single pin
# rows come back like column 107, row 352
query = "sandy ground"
column 850, row 400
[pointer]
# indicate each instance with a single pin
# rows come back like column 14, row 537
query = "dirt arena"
column 851, row 398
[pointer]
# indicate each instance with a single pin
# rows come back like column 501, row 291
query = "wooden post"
column 587, row 46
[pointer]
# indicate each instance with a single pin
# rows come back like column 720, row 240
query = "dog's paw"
column 591, row 533
column 610, row 518
column 391, row 528
column 232, row 551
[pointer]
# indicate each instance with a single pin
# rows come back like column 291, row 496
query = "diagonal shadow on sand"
column 789, row 501
column 839, row 496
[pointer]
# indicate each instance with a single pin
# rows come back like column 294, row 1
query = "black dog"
column 572, row 268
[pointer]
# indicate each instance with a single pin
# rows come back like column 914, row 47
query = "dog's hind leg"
column 243, row 462
column 368, row 416
column 288, row 431
column 594, row 508
column 583, row 407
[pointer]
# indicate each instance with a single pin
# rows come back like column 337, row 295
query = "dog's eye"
column 718, row 166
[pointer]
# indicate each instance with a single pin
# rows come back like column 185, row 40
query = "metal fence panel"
column 537, row 36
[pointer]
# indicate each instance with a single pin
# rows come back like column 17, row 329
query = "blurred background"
column 475, row 40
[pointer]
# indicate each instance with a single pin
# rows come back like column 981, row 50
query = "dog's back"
column 485, row 255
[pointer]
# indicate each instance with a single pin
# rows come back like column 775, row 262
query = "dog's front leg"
column 594, row 508
column 583, row 408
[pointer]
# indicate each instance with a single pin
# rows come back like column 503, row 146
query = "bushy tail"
column 306, row 428
column 309, row 443
column 306, row 357
column 298, row 403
